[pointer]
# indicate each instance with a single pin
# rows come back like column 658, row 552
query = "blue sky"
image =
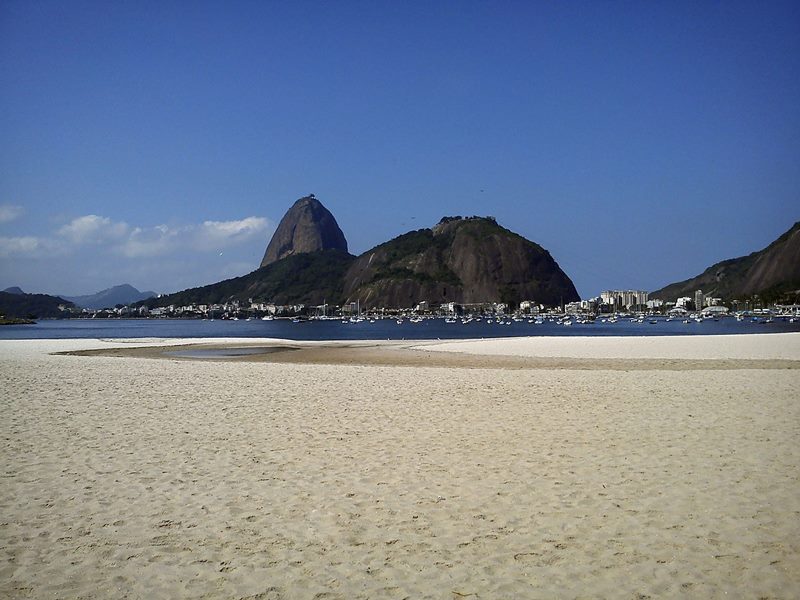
column 159, row 143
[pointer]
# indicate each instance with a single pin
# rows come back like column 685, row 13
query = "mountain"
column 306, row 227
column 307, row 278
column 109, row 298
column 769, row 273
column 32, row 306
column 14, row 290
column 464, row 260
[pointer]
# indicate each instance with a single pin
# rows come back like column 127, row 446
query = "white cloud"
column 154, row 241
column 209, row 236
column 29, row 246
column 9, row 212
column 20, row 246
column 94, row 251
column 230, row 232
column 93, row 229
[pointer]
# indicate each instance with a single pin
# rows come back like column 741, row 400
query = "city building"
column 624, row 299
column 699, row 300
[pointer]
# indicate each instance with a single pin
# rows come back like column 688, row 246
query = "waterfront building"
column 715, row 311
column 626, row 299
column 449, row 308
column 698, row 300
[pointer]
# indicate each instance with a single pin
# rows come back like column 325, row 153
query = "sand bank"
column 779, row 351
column 133, row 477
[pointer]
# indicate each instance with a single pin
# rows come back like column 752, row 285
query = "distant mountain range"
column 109, row 298
column 463, row 260
column 16, row 303
column 772, row 273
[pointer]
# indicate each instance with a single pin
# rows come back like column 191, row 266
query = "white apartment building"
column 624, row 298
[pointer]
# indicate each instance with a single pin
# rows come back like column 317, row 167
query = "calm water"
column 379, row 330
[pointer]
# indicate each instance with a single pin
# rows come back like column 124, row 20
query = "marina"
column 402, row 328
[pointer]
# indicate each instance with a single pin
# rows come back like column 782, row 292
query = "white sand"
column 784, row 346
column 147, row 478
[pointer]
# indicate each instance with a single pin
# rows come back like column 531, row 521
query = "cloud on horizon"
column 22, row 246
column 136, row 242
column 95, row 251
column 93, row 229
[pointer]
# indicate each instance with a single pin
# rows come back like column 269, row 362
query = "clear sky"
column 159, row 143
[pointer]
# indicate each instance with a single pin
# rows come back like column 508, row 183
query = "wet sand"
column 388, row 470
column 675, row 353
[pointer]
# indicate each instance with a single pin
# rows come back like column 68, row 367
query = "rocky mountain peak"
column 306, row 227
column 772, row 273
column 467, row 260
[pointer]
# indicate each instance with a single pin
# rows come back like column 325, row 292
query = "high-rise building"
column 620, row 299
column 698, row 300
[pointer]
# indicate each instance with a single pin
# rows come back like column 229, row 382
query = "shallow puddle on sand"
column 225, row 352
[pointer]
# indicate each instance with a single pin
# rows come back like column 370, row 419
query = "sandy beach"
column 519, row 468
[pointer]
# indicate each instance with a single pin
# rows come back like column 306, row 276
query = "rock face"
column 770, row 271
column 463, row 260
column 306, row 227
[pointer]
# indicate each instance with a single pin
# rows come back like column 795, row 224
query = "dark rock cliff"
column 468, row 261
column 306, row 227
